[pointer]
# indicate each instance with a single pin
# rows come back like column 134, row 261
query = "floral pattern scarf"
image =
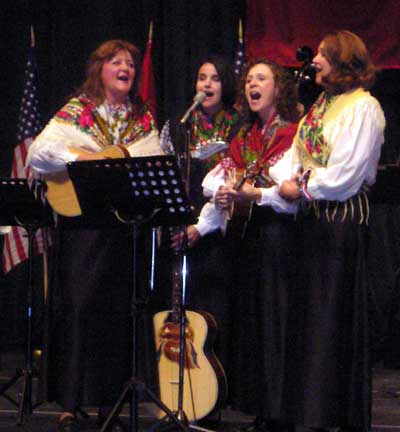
column 106, row 124
column 311, row 131
column 263, row 145
column 205, row 129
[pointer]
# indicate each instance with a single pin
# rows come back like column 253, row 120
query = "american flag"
column 15, row 249
column 239, row 60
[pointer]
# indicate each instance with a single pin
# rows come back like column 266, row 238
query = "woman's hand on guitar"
column 246, row 193
column 290, row 190
column 193, row 237
column 222, row 198
column 225, row 196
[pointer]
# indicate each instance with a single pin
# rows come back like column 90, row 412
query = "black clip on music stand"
column 22, row 206
column 136, row 191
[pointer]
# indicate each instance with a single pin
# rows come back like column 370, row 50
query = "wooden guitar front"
column 61, row 193
column 204, row 384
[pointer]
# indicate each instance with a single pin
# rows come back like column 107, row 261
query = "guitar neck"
column 252, row 171
column 177, row 286
column 240, row 182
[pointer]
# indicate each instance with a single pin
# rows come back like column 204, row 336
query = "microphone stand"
column 187, row 156
column 181, row 257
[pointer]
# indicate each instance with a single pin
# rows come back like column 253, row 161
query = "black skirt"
column 335, row 367
column 263, row 336
column 88, row 351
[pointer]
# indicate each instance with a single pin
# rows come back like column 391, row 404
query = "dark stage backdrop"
column 277, row 28
column 66, row 32
column 184, row 31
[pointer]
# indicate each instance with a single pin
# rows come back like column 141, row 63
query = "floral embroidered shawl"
column 83, row 113
column 311, row 138
column 218, row 128
column 262, row 145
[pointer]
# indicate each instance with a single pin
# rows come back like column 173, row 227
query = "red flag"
column 147, row 89
column 15, row 249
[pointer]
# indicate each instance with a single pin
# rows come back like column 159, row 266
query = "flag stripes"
column 15, row 248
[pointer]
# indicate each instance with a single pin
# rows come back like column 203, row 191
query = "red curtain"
column 276, row 28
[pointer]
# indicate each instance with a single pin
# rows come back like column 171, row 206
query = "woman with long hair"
column 90, row 334
column 264, row 270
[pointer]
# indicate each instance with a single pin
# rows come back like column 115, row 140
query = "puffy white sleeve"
column 270, row 197
column 50, row 151
column 210, row 219
column 284, row 169
column 213, row 180
column 356, row 137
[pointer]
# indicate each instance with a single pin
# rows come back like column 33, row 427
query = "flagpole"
column 239, row 59
column 240, row 31
column 151, row 32
column 44, row 255
column 32, row 36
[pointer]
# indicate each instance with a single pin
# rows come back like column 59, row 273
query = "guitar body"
column 61, row 193
column 239, row 213
column 204, row 383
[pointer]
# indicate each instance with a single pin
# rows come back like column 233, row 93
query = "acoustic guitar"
column 204, row 381
column 61, row 193
column 238, row 214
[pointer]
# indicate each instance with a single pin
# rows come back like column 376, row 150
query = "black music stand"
column 21, row 205
column 134, row 191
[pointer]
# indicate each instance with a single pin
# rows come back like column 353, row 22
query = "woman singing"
column 333, row 163
column 90, row 334
column 264, row 271
column 209, row 129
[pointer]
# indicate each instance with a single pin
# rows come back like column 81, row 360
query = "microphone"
column 308, row 69
column 306, row 73
column 197, row 100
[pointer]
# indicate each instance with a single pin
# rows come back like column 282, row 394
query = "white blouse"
column 355, row 136
column 53, row 147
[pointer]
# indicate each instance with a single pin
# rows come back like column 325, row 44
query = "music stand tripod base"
column 21, row 205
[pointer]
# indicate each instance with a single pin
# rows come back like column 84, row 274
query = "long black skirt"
column 88, row 352
column 335, row 368
column 264, row 336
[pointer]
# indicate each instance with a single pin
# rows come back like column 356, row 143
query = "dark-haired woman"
column 265, row 259
column 334, row 161
column 89, row 350
column 209, row 129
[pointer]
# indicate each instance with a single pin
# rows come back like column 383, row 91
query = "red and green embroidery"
column 311, row 131
column 206, row 129
column 82, row 112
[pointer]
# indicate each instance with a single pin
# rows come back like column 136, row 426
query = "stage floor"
column 385, row 411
